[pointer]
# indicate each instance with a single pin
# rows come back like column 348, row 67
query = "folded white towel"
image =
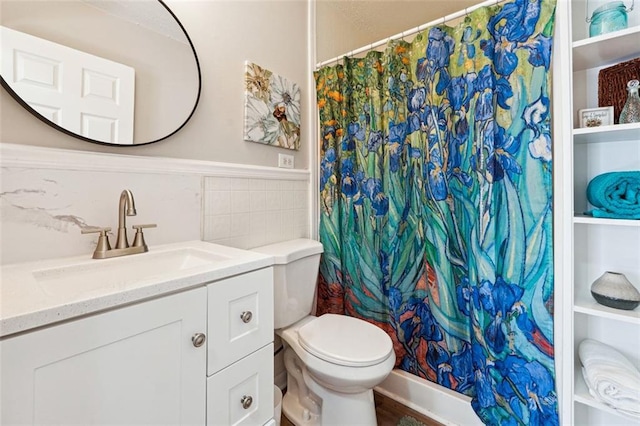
column 610, row 377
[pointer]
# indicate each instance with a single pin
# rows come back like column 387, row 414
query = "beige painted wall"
column 271, row 33
column 346, row 25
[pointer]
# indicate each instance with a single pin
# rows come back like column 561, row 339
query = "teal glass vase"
column 608, row 18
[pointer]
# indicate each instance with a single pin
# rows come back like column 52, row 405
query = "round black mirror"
column 114, row 72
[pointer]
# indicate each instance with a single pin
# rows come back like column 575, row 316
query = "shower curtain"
column 436, row 205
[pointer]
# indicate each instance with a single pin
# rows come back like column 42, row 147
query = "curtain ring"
column 443, row 21
column 466, row 11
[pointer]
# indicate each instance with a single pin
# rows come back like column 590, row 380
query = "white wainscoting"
column 48, row 195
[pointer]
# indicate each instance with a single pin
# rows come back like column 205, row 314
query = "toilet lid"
column 345, row 340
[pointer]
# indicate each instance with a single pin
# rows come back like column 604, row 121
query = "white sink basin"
column 44, row 292
column 115, row 273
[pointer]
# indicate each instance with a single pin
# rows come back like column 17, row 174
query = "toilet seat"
column 344, row 340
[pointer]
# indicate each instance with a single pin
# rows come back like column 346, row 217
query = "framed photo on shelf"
column 596, row 117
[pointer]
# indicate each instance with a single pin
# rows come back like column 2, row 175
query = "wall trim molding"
column 314, row 125
column 29, row 156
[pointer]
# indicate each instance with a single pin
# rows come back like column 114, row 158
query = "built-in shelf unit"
column 591, row 245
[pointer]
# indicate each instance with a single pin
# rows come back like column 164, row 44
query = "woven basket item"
column 612, row 84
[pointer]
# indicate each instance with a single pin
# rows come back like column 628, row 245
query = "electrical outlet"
column 285, row 161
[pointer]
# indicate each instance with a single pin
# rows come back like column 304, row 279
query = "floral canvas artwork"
column 272, row 108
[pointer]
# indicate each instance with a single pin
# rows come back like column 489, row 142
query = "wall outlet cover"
column 285, row 161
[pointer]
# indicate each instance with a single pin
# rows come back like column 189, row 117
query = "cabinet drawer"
column 240, row 319
column 251, row 377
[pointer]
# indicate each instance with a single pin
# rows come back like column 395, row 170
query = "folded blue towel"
column 615, row 195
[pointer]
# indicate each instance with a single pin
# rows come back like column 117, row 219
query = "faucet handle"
column 94, row 230
column 103, row 240
column 148, row 225
column 138, row 240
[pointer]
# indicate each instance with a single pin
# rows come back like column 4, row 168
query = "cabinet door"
column 242, row 394
column 133, row 365
column 240, row 317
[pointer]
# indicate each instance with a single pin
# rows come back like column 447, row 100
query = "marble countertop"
column 42, row 293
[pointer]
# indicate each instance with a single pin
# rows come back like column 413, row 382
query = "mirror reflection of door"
column 140, row 34
column 83, row 93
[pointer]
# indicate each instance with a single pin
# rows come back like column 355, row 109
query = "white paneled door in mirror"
column 83, row 93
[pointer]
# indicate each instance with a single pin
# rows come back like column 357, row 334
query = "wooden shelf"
column 593, row 308
column 581, row 395
column 589, row 220
column 606, row 49
column 605, row 134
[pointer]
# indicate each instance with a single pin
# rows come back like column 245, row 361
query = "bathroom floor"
column 389, row 413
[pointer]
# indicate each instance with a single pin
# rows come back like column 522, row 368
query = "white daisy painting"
column 271, row 109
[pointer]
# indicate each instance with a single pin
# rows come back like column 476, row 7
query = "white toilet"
column 332, row 361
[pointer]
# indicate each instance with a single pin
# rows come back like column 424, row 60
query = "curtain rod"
column 412, row 31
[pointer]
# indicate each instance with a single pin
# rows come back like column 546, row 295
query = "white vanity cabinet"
column 240, row 350
column 132, row 365
column 150, row 362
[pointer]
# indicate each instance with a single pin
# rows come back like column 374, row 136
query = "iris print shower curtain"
column 436, row 205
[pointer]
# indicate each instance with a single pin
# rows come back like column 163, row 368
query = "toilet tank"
column 295, row 273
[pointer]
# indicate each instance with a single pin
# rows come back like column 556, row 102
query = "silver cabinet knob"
column 198, row 339
column 246, row 401
column 246, row 316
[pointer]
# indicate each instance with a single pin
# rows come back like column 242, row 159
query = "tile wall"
column 42, row 211
column 47, row 196
column 247, row 213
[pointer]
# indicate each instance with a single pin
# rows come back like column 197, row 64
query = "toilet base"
column 350, row 409
column 300, row 405
column 296, row 413
column 307, row 403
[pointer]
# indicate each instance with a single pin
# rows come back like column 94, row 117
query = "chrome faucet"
column 126, row 207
